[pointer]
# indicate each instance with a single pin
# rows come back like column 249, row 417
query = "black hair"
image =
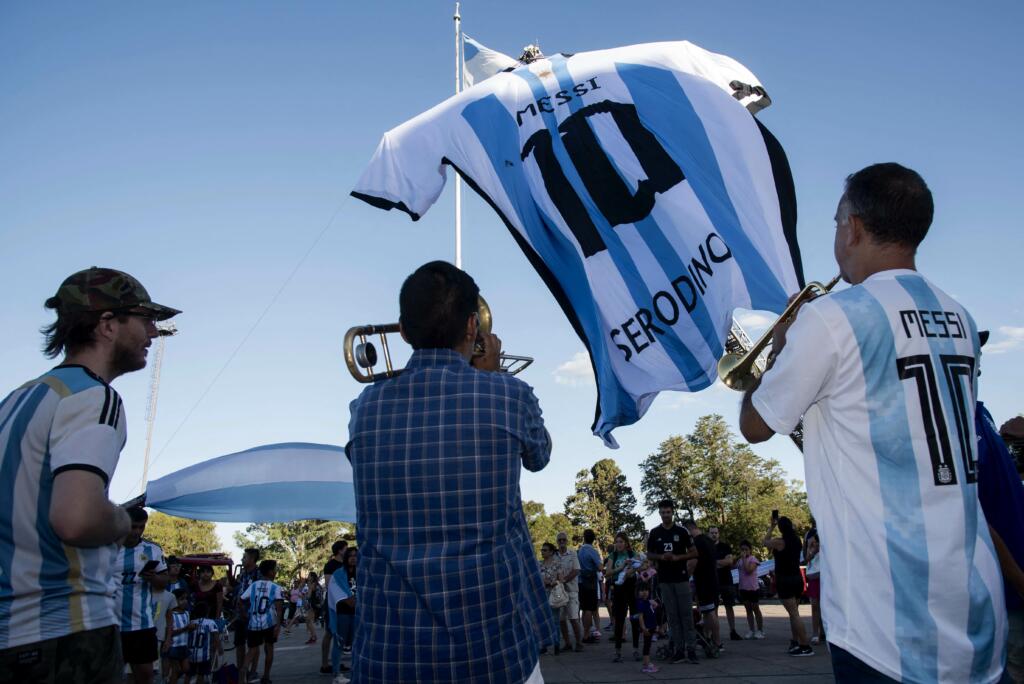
column 138, row 514
column 255, row 553
column 338, row 546
column 667, row 503
column 893, row 201
column 312, row 576
column 180, row 593
column 435, row 303
column 589, row 536
column 71, row 331
column 786, row 527
column 267, row 567
column 746, row 542
column 549, row 546
column 200, row 610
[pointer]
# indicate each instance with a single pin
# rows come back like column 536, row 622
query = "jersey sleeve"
column 799, row 375
column 88, row 433
column 245, row 594
column 158, row 555
column 406, row 171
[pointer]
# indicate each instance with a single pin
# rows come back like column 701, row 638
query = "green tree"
column 604, row 502
column 181, row 536
column 544, row 527
column 718, row 481
column 299, row 547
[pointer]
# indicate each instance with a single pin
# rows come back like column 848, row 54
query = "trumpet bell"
column 740, row 382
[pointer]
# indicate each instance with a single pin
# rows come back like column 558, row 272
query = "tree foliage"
column 181, row 536
column 604, row 502
column 544, row 527
column 298, row 547
column 718, row 481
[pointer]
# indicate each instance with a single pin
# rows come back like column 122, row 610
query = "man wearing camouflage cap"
column 60, row 439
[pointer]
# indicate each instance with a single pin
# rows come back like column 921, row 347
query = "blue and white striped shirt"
column 179, row 620
column 200, row 640
column 134, row 594
column 261, row 604
column 450, row 589
column 66, row 419
column 885, row 376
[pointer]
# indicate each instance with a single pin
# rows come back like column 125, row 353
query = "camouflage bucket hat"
column 105, row 289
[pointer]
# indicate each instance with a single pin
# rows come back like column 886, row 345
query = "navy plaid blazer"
column 449, row 587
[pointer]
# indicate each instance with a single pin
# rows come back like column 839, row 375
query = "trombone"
column 361, row 354
column 740, row 367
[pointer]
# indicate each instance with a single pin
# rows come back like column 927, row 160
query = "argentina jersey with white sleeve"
column 134, row 595
column 67, row 419
column 647, row 197
column 885, row 376
column 261, row 598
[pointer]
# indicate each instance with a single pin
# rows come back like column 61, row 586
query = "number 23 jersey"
column 884, row 374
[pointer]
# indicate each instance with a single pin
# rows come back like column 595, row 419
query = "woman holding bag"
column 550, row 573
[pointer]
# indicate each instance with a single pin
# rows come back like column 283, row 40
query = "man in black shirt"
column 669, row 545
column 333, row 563
column 705, row 581
column 726, row 587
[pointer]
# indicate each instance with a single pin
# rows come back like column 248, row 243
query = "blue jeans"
column 343, row 627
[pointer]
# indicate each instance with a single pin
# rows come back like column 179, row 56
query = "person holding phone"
column 142, row 572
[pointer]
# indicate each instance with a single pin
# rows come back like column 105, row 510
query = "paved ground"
column 760, row 662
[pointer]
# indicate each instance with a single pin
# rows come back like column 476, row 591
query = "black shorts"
column 749, row 595
column 727, row 592
column 707, row 595
column 260, row 636
column 202, row 668
column 789, row 586
column 588, row 596
column 90, row 656
column 139, row 647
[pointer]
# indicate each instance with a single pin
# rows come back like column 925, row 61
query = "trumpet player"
column 449, row 589
column 883, row 374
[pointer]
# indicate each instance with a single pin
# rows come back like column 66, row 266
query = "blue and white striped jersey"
column 179, row 619
column 200, row 640
column 261, row 598
column 647, row 197
column 134, row 595
column 66, row 419
column 885, row 376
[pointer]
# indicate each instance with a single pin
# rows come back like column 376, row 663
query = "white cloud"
column 753, row 319
column 1013, row 338
column 575, row 372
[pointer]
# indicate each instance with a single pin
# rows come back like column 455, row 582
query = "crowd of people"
column 673, row 589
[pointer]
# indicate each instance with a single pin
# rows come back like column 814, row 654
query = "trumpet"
column 361, row 354
column 740, row 369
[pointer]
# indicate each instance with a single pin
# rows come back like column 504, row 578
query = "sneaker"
column 311, row 640
column 589, row 640
column 749, row 635
column 595, row 633
column 715, row 651
column 636, row 655
column 618, row 657
column 325, row 669
column 691, row 658
column 801, row 651
column 679, row 657
column 340, row 679
column 815, row 641
column 792, row 644
column 650, row 668
column 759, row 634
column 720, row 647
column 734, row 635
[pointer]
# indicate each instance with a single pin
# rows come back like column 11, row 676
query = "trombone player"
column 449, row 589
column 883, row 374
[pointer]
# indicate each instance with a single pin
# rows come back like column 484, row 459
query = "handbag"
column 559, row 596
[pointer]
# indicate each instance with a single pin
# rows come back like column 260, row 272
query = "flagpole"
column 458, row 179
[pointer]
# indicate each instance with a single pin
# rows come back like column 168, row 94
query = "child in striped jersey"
column 175, row 648
column 203, row 642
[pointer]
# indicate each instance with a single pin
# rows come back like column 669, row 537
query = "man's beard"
column 126, row 359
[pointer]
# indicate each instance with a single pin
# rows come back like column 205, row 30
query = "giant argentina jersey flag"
column 645, row 194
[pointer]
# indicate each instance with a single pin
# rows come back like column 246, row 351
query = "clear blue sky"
column 203, row 148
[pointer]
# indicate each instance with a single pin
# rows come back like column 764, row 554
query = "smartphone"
column 775, row 514
column 150, row 566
